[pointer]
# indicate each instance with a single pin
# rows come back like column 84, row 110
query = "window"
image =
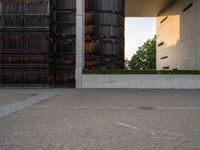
column 165, row 57
column 160, row 44
column 166, row 67
column 186, row 8
column 163, row 20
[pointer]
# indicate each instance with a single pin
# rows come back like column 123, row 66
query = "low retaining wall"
column 141, row 81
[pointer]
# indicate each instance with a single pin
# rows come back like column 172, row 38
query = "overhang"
column 145, row 8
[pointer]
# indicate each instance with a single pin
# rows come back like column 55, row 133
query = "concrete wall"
column 142, row 81
column 180, row 33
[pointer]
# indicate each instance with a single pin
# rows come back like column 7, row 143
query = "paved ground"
column 69, row 119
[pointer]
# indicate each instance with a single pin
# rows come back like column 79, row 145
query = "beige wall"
column 180, row 33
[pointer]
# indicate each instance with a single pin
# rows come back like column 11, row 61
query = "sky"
column 137, row 31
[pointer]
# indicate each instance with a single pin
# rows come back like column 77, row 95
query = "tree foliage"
column 145, row 57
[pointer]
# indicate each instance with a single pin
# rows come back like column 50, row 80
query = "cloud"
column 137, row 31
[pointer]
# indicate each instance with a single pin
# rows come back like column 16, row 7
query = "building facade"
column 38, row 40
column 24, row 42
column 178, row 36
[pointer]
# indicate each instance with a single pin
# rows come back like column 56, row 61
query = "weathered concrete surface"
column 10, row 98
column 142, row 81
column 19, row 105
column 181, row 35
column 80, row 40
column 94, row 119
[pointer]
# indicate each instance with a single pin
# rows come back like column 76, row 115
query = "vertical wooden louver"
column 104, row 27
column 64, row 65
column 24, row 42
column 37, row 42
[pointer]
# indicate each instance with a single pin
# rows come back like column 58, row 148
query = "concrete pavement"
column 97, row 119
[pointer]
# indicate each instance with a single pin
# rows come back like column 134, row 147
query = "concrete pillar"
column 80, row 41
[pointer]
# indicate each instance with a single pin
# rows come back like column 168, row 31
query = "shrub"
column 123, row 71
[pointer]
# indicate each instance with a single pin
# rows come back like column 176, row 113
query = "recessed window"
column 160, row 44
column 163, row 20
column 166, row 67
column 186, row 8
column 164, row 57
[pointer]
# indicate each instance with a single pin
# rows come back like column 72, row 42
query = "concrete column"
column 80, row 41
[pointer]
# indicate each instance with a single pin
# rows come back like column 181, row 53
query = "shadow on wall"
column 178, row 36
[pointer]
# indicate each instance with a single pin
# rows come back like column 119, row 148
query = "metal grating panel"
column 104, row 30
column 24, row 38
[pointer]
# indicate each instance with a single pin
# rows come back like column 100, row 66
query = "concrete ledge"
column 142, row 81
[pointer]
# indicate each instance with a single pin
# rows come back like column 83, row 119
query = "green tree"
column 145, row 57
